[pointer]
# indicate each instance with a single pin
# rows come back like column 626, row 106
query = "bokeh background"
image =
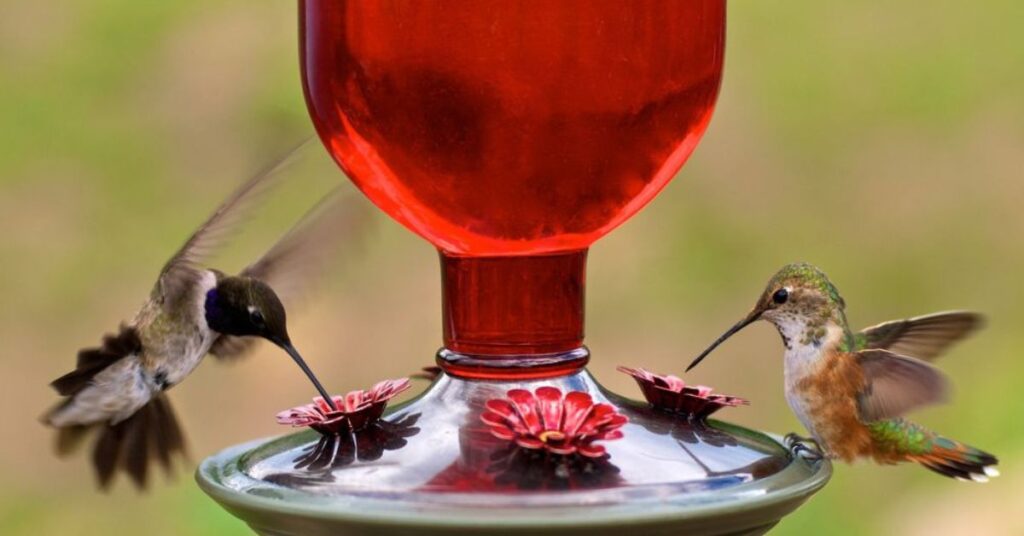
column 881, row 141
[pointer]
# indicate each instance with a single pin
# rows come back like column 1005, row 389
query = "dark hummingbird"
column 118, row 388
column 851, row 389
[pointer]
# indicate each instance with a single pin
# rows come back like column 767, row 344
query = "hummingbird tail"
column 151, row 433
column 945, row 456
column 130, row 444
column 957, row 460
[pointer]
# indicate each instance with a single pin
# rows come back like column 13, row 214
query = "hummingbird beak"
column 750, row 318
column 287, row 346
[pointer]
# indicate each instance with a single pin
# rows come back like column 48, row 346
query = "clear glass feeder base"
column 431, row 467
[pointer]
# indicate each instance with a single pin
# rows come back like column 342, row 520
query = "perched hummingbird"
column 851, row 390
column 118, row 388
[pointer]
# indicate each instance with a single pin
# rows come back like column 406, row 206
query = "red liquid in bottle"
column 508, row 128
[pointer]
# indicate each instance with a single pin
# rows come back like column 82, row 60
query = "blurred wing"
column 300, row 260
column 228, row 347
column 923, row 337
column 895, row 384
column 182, row 270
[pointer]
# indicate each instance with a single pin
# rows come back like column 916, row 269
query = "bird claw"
column 792, row 439
column 804, row 447
column 807, row 453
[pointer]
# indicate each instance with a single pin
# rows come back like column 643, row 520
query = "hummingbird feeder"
column 512, row 135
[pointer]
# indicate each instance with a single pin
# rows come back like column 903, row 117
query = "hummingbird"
column 849, row 389
column 118, row 389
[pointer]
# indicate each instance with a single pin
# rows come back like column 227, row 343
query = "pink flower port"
column 671, row 393
column 355, row 410
column 544, row 420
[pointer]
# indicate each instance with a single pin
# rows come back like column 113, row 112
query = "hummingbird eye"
column 781, row 296
column 256, row 317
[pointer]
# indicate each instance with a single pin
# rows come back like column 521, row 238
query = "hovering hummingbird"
column 851, row 390
column 119, row 387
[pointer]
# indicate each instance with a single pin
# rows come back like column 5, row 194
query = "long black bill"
column 312, row 377
column 754, row 315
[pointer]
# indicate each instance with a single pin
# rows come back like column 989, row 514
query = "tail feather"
column 899, row 439
column 107, row 452
column 151, row 434
column 168, row 434
column 136, row 455
column 957, row 460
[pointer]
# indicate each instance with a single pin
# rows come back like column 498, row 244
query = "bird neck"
column 808, row 349
column 812, row 334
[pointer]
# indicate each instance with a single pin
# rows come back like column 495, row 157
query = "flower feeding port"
column 356, row 410
column 416, row 102
column 671, row 393
column 547, row 421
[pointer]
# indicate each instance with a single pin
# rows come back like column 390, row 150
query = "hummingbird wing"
column 301, row 259
column 895, row 384
column 183, row 270
column 924, row 337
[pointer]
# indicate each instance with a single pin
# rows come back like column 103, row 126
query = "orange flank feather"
column 831, row 395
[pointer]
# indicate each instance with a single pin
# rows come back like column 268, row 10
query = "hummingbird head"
column 799, row 292
column 243, row 306
column 799, row 300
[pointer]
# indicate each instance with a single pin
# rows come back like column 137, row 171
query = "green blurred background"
column 881, row 141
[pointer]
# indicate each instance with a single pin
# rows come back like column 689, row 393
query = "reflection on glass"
column 316, row 461
column 527, row 469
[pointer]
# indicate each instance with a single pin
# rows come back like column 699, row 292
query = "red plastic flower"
column 355, row 410
column 545, row 420
column 671, row 393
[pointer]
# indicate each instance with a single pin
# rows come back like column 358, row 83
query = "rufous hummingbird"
column 851, row 389
column 118, row 389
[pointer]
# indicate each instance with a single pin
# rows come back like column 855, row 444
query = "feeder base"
column 431, row 467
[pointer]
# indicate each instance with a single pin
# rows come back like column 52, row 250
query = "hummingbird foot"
column 807, row 452
column 792, row 439
column 804, row 447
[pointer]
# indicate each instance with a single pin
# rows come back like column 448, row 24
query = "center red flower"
column 356, row 409
column 545, row 420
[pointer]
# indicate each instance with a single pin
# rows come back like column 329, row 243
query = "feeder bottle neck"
column 498, row 308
